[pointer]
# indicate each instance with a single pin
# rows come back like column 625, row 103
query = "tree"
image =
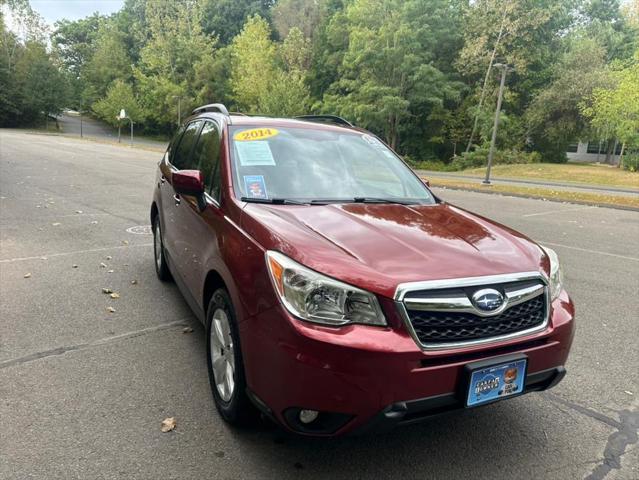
column 225, row 19
column 615, row 111
column 554, row 117
column 176, row 48
column 252, row 64
column 43, row 87
column 392, row 70
column 306, row 15
column 520, row 33
column 109, row 62
column 119, row 96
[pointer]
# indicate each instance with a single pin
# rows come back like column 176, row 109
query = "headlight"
column 556, row 279
column 316, row 298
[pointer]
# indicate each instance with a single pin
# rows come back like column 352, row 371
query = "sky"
column 53, row 10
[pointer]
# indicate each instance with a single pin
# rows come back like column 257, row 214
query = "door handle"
column 177, row 199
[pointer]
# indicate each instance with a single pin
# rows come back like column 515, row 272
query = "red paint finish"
column 355, row 369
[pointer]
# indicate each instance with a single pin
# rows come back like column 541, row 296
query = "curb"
column 545, row 199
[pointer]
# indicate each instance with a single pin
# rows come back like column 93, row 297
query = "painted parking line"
column 76, row 252
column 552, row 212
column 587, row 250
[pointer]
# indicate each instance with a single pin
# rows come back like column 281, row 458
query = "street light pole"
column 80, row 117
column 491, row 152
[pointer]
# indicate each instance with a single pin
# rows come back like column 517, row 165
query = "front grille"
column 433, row 327
column 445, row 317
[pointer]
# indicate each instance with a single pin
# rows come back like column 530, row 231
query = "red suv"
column 339, row 294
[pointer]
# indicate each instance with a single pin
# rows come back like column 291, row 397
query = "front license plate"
column 495, row 382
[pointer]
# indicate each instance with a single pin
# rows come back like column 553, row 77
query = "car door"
column 197, row 233
column 179, row 158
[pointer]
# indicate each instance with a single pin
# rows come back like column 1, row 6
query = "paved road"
column 568, row 186
column 92, row 128
column 83, row 391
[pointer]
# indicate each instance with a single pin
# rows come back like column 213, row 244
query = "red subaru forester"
column 339, row 294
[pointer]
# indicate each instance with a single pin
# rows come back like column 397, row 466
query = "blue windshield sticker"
column 255, row 153
column 255, row 186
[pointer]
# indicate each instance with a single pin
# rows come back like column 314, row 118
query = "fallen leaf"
column 74, row 266
column 107, row 290
column 110, row 309
column 628, row 392
column 27, row 275
column 102, row 265
column 109, row 257
column 134, row 282
column 125, row 242
column 94, row 222
column 168, row 424
column 110, row 271
column 79, row 211
column 56, row 224
column 115, row 295
column 187, row 330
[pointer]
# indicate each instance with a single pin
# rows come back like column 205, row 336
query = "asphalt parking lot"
column 83, row 390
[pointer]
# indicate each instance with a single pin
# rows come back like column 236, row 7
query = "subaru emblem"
column 487, row 300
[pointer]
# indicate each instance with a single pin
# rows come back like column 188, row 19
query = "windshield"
column 302, row 164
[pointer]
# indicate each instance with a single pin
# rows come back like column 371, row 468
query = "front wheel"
column 161, row 267
column 225, row 365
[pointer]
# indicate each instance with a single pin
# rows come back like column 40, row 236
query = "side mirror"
column 426, row 182
column 188, row 182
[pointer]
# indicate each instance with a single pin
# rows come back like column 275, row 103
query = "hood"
column 378, row 246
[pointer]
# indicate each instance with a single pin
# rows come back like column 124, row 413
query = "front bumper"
column 375, row 378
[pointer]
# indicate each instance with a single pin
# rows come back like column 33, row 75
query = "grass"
column 543, row 193
column 562, row 172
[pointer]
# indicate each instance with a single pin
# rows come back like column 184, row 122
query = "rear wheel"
column 161, row 267
column 225, row 365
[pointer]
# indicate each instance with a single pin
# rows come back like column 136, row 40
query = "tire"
column 161, row 267
column 228, row 381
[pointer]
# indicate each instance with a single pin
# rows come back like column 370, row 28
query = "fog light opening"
column 308, row 416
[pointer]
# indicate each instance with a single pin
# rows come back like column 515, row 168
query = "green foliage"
column 268, row 79
column 119, row 96
column 32, row 87
column 614, row 111
column 110, row 61
column 177, row 48
column 554, row 116
column 419, row 73
column 392, row 70
column 224, row 18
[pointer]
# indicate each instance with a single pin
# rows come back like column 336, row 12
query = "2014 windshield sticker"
column 255, row 186
column 255, row 134
column 254, row 154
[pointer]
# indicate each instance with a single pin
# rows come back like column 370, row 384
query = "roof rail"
column 325, row 119
column 211, row 107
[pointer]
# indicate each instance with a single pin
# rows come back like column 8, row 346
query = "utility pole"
column 122, row 116
column 504, row 69
column 81, row 117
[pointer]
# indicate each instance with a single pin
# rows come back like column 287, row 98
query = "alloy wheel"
column 222, row 355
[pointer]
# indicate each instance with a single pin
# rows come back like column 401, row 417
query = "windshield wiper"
column 273, row 201
column 383, row 200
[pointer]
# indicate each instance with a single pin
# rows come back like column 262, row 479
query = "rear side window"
column 206, row 156
column 182, row 159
